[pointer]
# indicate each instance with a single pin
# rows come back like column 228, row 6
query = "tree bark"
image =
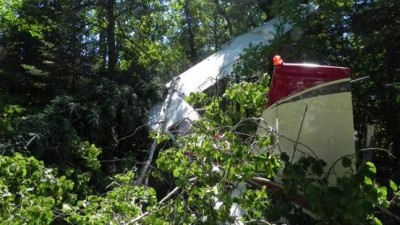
column 111, row 45
column 189, row 21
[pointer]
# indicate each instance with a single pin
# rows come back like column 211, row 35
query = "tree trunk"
column 222, row 12
column 189, row 21
column 111, row 45
column 215, row 33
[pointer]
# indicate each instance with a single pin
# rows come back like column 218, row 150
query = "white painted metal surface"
column 319, row 126
column 207, row 73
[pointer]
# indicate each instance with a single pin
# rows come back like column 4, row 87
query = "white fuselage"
column 317, row 122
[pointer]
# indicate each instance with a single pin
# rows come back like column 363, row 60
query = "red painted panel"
column 290, row 78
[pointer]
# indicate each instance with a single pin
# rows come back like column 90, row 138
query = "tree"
column 380, row 63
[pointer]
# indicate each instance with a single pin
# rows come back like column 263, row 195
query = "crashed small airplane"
column 309, row 106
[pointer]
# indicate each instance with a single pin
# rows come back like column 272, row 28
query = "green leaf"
column 177, row 172
column 377, row 221
column 367, row 181
column 383, row 192
column 66, row 207
column 393, row 185
column 371, row 167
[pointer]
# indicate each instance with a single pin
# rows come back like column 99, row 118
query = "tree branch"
column 168, row 196
column 387, row 212
column 161, row 129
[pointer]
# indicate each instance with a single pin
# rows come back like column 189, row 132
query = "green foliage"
column 10, row 14
column 159, row 138
column 89, row 153
column 118, row 206
column 29, row 192
column 380, row 62
column 9, row 136
column 8, row 115
column 353, row 199
column 249, row 96
column 103, row 113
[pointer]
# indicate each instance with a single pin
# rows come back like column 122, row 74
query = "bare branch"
column 378, row 149
column 257, row 221
column 161, row 129
column 387, row 212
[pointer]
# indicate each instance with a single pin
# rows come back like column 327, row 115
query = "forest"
column 78, row 79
